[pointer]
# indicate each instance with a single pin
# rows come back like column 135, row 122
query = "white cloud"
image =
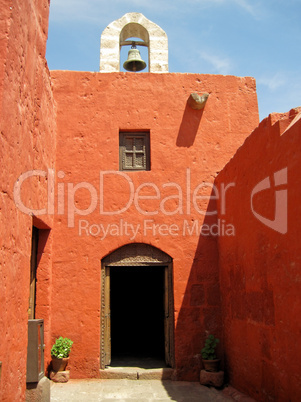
column 221, row 65
column 69, row 10
column 100, row 10
column 273, row 82
column 247, row 6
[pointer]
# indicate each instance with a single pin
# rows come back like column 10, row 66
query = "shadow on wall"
column 260, row 267
column 200, row 312
column 246, row 286
column 189, row 126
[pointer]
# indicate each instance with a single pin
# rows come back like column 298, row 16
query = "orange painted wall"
column 260, row 267
column 243, row 288
column 91, row 109
column 27, row 127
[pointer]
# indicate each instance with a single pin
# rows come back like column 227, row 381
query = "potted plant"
column 60, row 353
column 210, row 361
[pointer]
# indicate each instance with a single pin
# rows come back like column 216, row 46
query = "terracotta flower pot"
column 211, row 365
column 59, row 364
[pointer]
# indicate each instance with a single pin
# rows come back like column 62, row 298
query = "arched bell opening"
column 140, row 56
column 134, row 48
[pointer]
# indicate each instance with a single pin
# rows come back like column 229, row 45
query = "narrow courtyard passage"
column 141, row 390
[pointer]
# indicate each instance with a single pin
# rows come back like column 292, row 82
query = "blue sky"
column 257, row 38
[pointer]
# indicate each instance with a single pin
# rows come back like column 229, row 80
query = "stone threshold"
column 136, row 373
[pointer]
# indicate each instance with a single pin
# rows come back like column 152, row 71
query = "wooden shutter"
column 134, row 151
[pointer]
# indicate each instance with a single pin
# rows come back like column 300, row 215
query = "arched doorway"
column 137, row 318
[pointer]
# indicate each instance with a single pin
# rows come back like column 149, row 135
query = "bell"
column 134, row 61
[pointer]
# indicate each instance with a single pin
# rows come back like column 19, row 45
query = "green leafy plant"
column 61, row 348
column 208, row 352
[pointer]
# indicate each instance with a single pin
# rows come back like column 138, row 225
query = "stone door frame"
column 137, row 254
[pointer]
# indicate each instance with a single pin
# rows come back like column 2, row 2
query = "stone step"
column 136, row 373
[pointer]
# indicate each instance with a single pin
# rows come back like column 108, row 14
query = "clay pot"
column 211, row 365
column 59, row 364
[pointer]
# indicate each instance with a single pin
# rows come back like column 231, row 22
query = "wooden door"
column 33, row 273
column 168, row 317
column 106, row 318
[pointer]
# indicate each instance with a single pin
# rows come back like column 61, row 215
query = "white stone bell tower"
column 133, row 25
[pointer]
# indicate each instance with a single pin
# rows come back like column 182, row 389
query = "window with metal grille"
column 134, row 151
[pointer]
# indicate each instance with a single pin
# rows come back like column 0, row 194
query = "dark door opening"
column 137, row 313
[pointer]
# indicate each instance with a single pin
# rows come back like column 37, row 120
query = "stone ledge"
column 59, row 376
column 215, row 379
column 135, row 373
column 237, row 395
column 118, row 374
column 39, row 391
column 155, row 374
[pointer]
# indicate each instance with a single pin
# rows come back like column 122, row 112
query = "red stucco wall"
column 260, row 266
column 243, row 288
column 27, row 126
column 187, row 146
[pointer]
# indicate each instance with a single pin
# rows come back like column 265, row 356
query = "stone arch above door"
column 136, row 254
